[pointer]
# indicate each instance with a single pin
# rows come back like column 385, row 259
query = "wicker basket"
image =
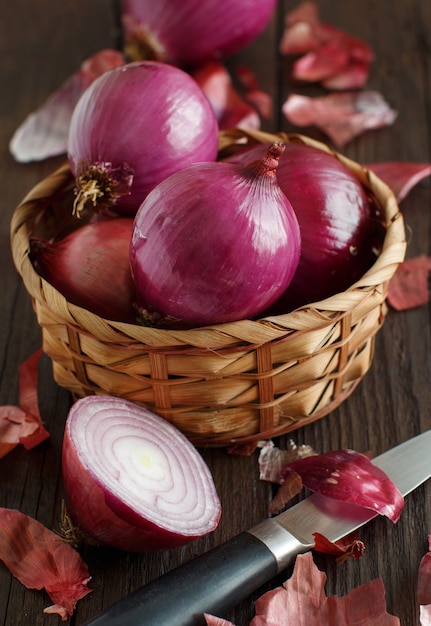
column 234, row 382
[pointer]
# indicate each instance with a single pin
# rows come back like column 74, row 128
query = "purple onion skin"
column 213, row 243
column 138, row 124
column 338, row 223
column 191, row 31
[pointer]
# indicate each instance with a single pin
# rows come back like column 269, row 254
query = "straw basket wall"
column 234, row 382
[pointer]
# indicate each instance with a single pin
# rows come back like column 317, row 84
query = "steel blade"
column 408, row 465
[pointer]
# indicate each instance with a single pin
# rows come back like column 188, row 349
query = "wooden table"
column 41, row 44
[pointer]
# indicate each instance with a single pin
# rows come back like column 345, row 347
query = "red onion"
column 132, row 480
column 91, row 268
column 192, row 31
column 214, row 243
column 131, row 128
column 338, row 222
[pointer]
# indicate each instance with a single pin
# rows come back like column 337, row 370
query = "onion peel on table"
column 342, row 116
column 424, row 587
column 408, row 287
column 302, row 600
column 350, row 476
column 328, row 55
column 400, row 176
column 349, row 546
column 272, row 459
column 22, row 424
column 261, row 100
column 39, row 559
column 291, row 486
column 44, row 132
column 230, row 109
column 344, row 475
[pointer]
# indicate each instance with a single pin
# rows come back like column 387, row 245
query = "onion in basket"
column 132, row 480
column 214, row 243
column 338, row 222
column 131, row 128
column 90, row 267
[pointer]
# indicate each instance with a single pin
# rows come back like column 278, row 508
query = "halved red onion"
column 192, row 31
column 134, row 126
column 214, row 243
column 90, row 267
column 338, row 222
column 132, row 480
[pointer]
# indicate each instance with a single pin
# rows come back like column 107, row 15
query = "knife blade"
column 216, row 581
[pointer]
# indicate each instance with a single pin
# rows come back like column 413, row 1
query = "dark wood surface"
column 41, row 44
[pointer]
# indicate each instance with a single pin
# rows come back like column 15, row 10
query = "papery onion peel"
column 350, row 476
column 39, row 559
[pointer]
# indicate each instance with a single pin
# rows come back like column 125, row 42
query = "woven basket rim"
column 250, row 332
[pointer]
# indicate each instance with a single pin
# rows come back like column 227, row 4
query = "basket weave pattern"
column 234, row 382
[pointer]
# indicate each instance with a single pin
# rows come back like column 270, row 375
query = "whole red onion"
column 90, row 267
column 191, row 31
column 132, row 480
column 215, row 242
column 134, row 126
column 337, row 219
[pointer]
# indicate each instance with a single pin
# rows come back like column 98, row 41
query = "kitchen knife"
column 218, row 580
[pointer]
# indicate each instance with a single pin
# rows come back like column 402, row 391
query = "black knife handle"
column 211, row 583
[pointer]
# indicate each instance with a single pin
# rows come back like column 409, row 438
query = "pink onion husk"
column 43, row 133
column 351, row 477
column 132, row 480
column 230, row 108
column 221, row 254
column 131, row 128
column 38, row 558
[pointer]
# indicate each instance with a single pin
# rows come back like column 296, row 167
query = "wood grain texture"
column 41, row 44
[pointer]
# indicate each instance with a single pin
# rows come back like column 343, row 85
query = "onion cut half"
column 132, row 480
